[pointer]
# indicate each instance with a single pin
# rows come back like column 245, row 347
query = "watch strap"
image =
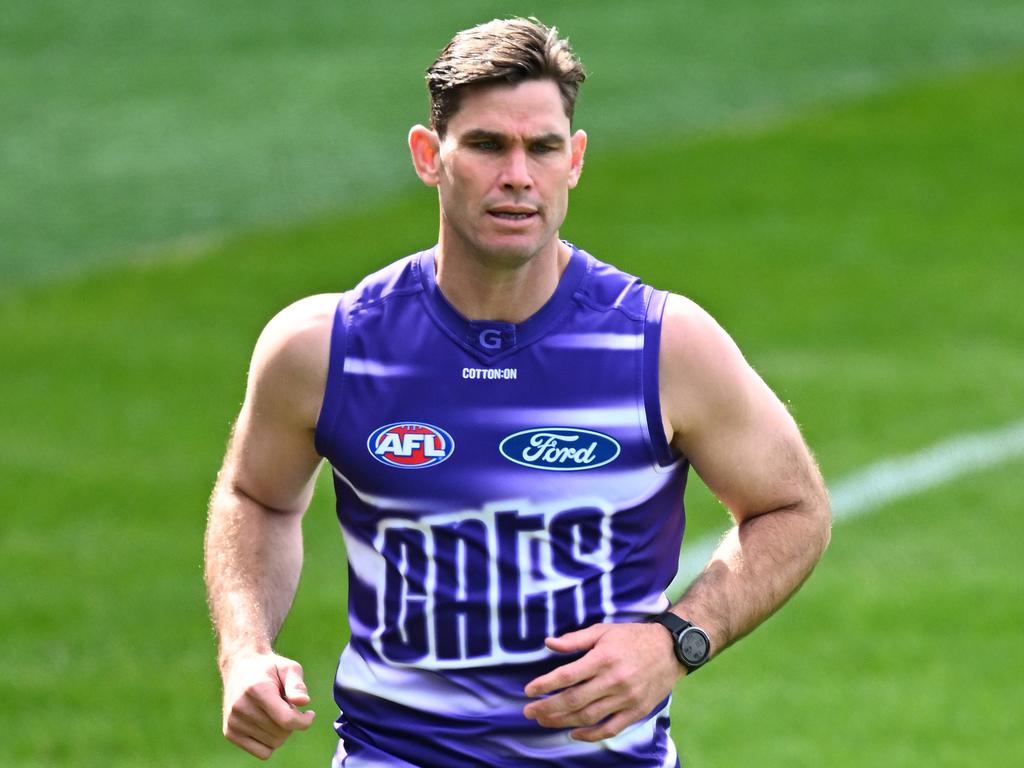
column 671, row 622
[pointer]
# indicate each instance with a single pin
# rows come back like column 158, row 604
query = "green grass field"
column 839, row 185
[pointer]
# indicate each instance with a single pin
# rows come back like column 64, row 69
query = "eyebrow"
column 480, row 134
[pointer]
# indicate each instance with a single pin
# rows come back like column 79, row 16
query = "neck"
column 484, row 288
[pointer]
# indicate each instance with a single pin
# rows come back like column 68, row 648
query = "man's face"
column 505, row 168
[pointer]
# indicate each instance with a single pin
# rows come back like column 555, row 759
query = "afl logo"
column 410, row 445
column 560, row 449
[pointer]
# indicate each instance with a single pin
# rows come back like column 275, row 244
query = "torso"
column 496, row 484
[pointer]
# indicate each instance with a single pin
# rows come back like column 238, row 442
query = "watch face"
column 694, row 646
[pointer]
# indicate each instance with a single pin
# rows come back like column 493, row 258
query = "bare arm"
column 254, row 535
column 747, row 448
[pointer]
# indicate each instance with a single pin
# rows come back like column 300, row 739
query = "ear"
column 578, row 143
column 425, row 147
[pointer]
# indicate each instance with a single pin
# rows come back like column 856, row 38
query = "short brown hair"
column 501, row 51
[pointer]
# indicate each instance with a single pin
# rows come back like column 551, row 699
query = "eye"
column 486, row 145
column 543, row 149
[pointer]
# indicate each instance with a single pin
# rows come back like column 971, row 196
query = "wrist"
column 690, row 644
column 230, row 654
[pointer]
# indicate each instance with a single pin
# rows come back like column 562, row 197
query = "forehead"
column 531, row 107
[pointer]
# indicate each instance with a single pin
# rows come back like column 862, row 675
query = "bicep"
column 734, row 430
column 271, row 460
column 271, row 457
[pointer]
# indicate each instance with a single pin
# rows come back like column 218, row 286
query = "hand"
column 262, row 693
column 627, row 669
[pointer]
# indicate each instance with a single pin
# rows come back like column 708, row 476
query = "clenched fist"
column 262, row 696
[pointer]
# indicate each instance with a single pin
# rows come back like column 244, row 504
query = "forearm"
column 253, row 561
column 757, row 566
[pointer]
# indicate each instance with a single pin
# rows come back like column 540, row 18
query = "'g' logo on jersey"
column 490, row 338
column 410, row 445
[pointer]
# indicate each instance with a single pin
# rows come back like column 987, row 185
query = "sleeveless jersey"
column 496, row 484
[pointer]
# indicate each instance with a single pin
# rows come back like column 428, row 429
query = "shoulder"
column 293, row 334
column 289, row 363
column 704, row 377
column 606, row 287
column 400, row 278
column 693, row 341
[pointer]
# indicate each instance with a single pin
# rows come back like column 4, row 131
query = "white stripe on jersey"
column 362, row 367
column 606, row 341
column 606, row 417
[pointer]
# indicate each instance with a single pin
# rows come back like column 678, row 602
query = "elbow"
column 814, row 512
column 825, row 530
column 242, row 496
column 821, row 515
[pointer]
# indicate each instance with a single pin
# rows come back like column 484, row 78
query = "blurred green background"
column 838, row 183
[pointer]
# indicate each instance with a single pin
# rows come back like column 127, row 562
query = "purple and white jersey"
column 497, row 484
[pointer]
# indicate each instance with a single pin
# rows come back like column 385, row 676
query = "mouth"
column 511, row 216
column 512, row 213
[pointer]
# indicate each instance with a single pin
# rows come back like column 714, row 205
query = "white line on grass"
column 887, row 480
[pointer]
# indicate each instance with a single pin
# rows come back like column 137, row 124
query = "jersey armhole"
column 664, row 454
column 330, row 408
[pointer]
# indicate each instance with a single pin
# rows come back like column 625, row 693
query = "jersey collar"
column 490, row 340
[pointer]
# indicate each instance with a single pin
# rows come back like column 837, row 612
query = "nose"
column 515, row 173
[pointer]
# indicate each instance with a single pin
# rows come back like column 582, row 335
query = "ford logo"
column 560, row 449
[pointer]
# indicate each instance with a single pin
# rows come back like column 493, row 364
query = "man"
column 510, row 423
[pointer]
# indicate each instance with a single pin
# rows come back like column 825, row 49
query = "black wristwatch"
column 691, row 643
